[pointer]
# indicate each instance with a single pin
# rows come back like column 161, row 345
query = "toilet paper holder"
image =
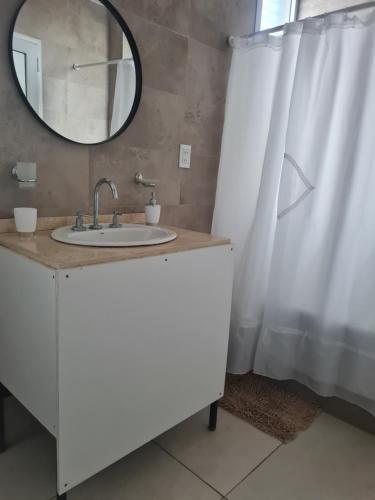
column 25, row 173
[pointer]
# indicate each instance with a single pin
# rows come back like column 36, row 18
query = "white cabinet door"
column 142, row 345
column 28, row 335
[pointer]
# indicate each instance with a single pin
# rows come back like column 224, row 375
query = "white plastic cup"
column 26, row 219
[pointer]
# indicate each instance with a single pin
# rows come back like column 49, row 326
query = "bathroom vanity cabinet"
column 108, row 348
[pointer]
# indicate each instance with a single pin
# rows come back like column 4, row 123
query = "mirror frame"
column 138, row 70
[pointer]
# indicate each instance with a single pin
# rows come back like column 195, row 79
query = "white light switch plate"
column 185, row 155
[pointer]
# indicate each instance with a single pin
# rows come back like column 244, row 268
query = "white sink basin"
column 129, row 235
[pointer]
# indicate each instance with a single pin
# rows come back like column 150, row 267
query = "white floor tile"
column 221, row 458
column 146, row 474
column 28, row 471
column 330, row 461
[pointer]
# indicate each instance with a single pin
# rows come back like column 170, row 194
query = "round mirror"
column 77, row 67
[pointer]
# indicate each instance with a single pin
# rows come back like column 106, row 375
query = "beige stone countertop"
column 43, row 249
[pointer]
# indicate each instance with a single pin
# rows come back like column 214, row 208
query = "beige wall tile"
column 185, row 64
column 195, row 217
column 211, row 21
column 203, row 126
column 54, row 95
column 198, row 184
column 207, row 73
column 164, row 54
column 158, row 124
column 62, row 169
column 172, row 14
column 121, row 164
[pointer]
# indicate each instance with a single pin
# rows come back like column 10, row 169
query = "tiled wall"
column 185, row 63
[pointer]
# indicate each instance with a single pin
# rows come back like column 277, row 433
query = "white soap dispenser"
column 152, row 210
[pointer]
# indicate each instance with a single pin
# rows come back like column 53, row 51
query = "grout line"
column 143, row 17
column 186, row 467
column 255, row 468
column 204, row 481
column 187, row 35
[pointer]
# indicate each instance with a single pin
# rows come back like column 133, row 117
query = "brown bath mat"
column 267, row 406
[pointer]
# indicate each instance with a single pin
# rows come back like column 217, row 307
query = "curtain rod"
column 352, row 8
column 77, row 67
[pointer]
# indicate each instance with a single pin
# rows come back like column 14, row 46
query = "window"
column 310, row 8
column 272, row 13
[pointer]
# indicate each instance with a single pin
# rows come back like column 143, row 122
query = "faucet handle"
column 115, row 223
column 139, row 179
column 79, row 225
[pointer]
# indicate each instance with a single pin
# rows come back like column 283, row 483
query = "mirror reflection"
column 77, row 66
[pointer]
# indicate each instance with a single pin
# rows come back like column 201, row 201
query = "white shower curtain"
column 296, row 193
column 124, row 94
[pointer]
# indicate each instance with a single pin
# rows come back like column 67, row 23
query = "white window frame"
column 294, row 6
column 33, row 51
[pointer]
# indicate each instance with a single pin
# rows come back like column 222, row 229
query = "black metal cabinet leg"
column 2, row 425
column 213, row 416
column 3, row 393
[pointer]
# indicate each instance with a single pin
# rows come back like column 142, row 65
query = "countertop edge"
column 163, row 249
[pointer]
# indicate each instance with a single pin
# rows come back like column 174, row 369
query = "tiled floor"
column 330, row 461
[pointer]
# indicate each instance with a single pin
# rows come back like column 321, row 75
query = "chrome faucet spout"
column 95, row 223
column 113, row 187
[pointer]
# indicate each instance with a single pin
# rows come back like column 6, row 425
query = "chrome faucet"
column 95, row 223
